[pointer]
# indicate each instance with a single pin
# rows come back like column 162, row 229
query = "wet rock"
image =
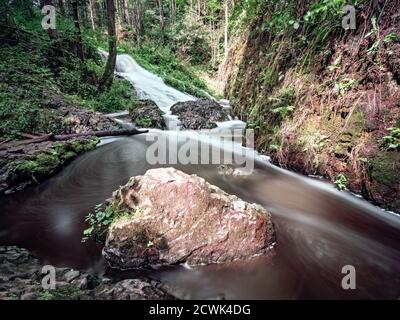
column 71, row 275
column 21, row 277
column 82, row 283
column 146, row 114
column 199, row 114
column 176, row 218
column 384, row 184
column 29, row 296
column 132, row 289
column 76, row 120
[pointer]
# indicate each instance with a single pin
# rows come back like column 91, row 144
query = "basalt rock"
column 171, row 217
column 199, row 114
column 146, row 114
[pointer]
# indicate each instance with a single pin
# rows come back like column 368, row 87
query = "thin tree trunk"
column 108, row 75
column 226, row 26
column 61, row 4
column 137, row 19
column 172, row 11
column 161, row 11
column 91, row 14
column 118, row 16
column 78, row 36
column 65, row 137
column 125, row 6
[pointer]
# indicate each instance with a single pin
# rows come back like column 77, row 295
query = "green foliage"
column 384, row 169
column 341, row 182
column 38, row 76
column 335, row 64
column 392, row 141
column 324, row 9
column 102, row 218
column 192, row 40
column 391, row 37
column 150, row 244
column 117, row 98
column 164, row 62
column 67, row 292
column 24, row 116
column 283, row 111
column 99, row 219
column 283, row 104
column 344, row 86
column 281, row 21
column 375, row 33
column 144, row 122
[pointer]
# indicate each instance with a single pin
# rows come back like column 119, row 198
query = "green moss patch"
column 33, row 169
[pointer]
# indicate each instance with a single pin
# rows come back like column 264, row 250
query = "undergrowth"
column 164, row 62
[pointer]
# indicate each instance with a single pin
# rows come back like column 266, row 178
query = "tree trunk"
column 108, row 75
column 161, row 10
column 125, row 11
column 61, row 4
column 65, row 137
column 226, row 26
column 172, row 11
column 78, row 36
column 137, row 19
column 91, row 14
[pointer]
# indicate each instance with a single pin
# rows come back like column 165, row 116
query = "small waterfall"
column 149, row 86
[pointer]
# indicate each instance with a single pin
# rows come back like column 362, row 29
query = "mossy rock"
column 384, row 171
column 146, row 114
column 40, row 162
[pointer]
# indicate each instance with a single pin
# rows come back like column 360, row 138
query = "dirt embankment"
column 323, row 100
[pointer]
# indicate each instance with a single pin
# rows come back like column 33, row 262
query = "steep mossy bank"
column 322, row 99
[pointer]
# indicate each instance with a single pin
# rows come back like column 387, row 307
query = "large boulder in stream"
column 146, row 114
column 199, row 114
column 170, row 217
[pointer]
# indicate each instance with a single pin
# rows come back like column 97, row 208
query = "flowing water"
column 319, row 229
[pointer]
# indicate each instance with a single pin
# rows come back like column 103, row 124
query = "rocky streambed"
column 24, row 277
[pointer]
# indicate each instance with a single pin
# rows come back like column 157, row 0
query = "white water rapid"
column 152, row 87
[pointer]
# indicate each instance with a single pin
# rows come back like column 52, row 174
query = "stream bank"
column 30, row 164
column 323, row 100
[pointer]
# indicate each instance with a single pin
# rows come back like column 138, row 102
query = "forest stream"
column 319, row 230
